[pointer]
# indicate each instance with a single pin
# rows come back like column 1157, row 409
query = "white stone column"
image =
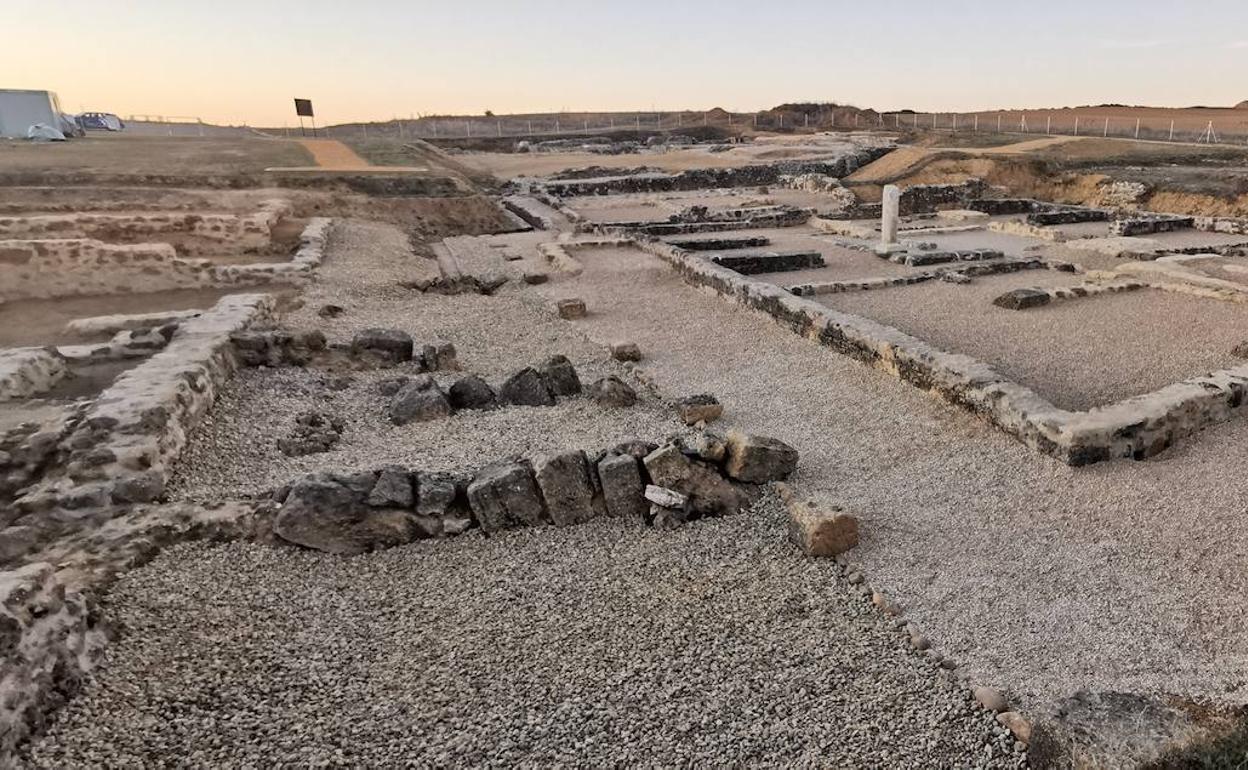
column 888, row 226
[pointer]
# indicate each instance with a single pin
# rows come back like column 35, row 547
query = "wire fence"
column 1205, row 125
column 1202, row 126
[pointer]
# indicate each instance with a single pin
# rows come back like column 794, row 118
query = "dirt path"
column 333, row 154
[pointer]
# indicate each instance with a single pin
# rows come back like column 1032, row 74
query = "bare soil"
column 121, row 154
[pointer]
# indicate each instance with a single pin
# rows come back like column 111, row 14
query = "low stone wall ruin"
column 250, row 231
column 1146, row 225
column 752, row 263
column 121, row 449
column 45, row 269
column 663, row 485
column 1137, row 427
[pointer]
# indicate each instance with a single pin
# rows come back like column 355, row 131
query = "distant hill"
column 1242, row 105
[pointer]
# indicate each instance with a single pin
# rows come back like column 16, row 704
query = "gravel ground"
column 601, row 645
column 234, row 453
column 1077, row 354
column 1040, row 578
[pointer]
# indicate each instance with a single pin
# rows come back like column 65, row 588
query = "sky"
column 229, row 61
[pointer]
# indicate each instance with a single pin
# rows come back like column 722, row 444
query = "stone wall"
column 1145, row 225
column 1136, row 427
column 26, row 372
column 1230, row 225
column 1067, row 216
column 707, row 178
column 926, row 198
column 752, row 263
column 45, row 269
column 663, row 485
column 121, row 449
column 241, row 232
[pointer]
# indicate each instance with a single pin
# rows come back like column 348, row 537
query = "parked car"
column 100, row 121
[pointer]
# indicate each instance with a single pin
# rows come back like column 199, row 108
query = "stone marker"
column 622, row 488
column 561, row 377
column 625, row 351
column 505, row 495
column 421, row 400
column 700, row 408
column 566, row 487
column 891, row 204
column 570, row 309
column 757, row 459
column 526, row 388
column 613, row 392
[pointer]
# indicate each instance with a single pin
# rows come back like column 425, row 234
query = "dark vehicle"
column 100, row 121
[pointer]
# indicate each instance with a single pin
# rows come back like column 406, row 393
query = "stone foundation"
column 1158, row 223
column 122, row 448
column 752, row 263
column 1137, row 427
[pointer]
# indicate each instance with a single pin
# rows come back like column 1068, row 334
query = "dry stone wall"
column 44, row 269
column 1137, row 427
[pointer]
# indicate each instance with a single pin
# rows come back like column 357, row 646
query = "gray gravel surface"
column 234, row 453
column 1040, row 578
column 1076, row 353
column 607, row 644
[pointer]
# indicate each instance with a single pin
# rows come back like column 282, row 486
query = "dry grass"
column 122, row 154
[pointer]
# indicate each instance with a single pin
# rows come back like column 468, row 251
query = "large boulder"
column 526, row 388
column 622, row 488
column 388, row 344
column 757, row 459
column 567, row 487
column 322, row 513
column 561, row 377
column 821, row 533
column 505, row 495
column 472, row 392
column 613, row 392
column 1022, row 299
column 421, row 400
column 709, row 493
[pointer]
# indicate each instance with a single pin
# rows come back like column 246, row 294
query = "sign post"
column 303, row 108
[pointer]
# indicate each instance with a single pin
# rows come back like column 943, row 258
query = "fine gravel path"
column 1040, row 578
column 607, row 644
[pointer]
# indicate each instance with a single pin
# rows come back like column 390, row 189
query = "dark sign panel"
column 303, row 108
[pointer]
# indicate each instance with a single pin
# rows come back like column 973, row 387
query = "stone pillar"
column 888, row 227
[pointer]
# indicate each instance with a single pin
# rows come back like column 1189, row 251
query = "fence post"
column 1172, row 130
column 1076, row 125
column 1106, row 128
column 467, row 124
column 998, row 122
column 500, row 128
column 976, row 129
column 955, row 122
column 1048, row 125
column 1137, row 128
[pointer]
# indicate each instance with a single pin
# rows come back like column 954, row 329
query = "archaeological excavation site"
column 710, row 445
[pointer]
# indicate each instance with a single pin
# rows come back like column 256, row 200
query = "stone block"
column 1022, row 299
column 329, row 516
column 526, row 388
column 435, row 493
column 821, row 533
column 570, row 309
column 472, row 392
column 419, row 401
column 625, row 351
column 566, row 486
column 613, row 392
column 757, row 459
column 505, row 495
column 393, row 489
column 708, row 492
column 700, row 408
column 622, row 487
column 389, row 344
column 561, row 377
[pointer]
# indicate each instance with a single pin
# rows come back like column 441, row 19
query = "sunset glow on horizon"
column 237, row 62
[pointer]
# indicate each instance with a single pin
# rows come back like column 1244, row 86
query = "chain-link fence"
column 1198, row 125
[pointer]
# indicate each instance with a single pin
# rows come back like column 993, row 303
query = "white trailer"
column 19, row 110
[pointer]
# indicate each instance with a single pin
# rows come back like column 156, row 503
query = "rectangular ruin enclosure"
column 1077, row 354
column 658, row 207
column 1084, row 347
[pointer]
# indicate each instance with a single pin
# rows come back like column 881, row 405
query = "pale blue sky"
column 235, row 61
